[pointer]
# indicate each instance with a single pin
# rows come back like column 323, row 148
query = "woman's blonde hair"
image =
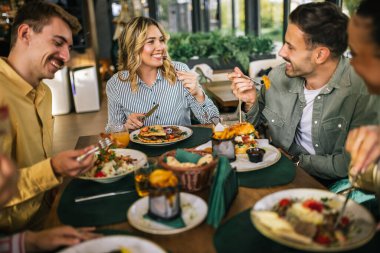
column 131, row 43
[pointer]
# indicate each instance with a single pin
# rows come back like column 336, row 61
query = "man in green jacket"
column 315, row 97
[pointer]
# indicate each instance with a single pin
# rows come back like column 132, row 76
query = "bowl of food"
column 113, row 164
column 192, row 176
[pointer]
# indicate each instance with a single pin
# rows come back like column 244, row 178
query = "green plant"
column 218, row 47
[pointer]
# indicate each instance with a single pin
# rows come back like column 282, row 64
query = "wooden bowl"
column 191, row 178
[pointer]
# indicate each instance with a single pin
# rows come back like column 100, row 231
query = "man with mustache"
column 315, row 97
column 363, row 143
column 41, row 40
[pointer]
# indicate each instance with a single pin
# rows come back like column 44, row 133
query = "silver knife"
column 98, row 196
column 151, row 111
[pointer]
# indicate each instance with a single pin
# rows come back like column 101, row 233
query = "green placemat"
column 240, row 235
column 96, row 212
column 280, row 173
column 200, row 135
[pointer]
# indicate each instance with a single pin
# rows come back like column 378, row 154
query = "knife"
column 150, row 112
column 81, row 199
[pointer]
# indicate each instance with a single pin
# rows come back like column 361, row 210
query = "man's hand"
column 51, row 239
column 190, row 82
column 134, row 121
column 242, row 87
column 8, row 179
column 66, row 164
column 363, row 144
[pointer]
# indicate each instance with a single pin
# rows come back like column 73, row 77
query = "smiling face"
column 49, row 50
column 296, row 53
column 365, row 52
column 154, row 50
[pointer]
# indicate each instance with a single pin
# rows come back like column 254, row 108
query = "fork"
column 343, row 208
column 102, row 144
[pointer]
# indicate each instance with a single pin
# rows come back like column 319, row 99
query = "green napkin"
column 223, row 191
column 96, row 212
column 174, row 223
column 239, row 234
column 280, row 173
column 184, row 156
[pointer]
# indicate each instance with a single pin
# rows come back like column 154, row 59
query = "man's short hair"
column 371, row 9
column 323, row 24
column 37, row 14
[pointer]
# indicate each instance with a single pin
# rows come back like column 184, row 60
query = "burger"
column 245, row 134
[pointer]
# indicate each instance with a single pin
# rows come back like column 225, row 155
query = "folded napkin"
column 175, row 223
column 184, row 156
column 223, row 191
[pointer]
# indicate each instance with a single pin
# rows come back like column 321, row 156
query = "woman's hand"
column 242, row 87
column 363, row 144
column 134, row 121
column 190, row 82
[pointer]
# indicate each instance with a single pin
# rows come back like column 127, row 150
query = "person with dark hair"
column 315, row 97
column 363, row 143
column 41, row 43
column 146, row 76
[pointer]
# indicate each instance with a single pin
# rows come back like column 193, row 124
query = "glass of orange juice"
column 142, row 177
column 121, row 139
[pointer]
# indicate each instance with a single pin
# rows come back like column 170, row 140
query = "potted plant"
column 220, row 51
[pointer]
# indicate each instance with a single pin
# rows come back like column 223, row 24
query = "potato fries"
column 227, row 133
column 266, row 81
column 163, row 178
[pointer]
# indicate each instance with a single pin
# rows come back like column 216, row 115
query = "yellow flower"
column 266, row 82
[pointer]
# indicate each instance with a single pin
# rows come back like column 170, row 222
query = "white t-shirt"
column 303, row 133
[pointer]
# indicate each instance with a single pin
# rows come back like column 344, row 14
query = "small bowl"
column 255, row 155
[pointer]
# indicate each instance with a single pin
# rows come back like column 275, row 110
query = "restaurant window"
column 295, row 3
column 232, row 16
column 214, row 10
column 349, row 6
column 174, row 15
column 271, row 17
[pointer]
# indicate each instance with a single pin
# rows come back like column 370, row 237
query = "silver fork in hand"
column 102, row 144
column 343, row 208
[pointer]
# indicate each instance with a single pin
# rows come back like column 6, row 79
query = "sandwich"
column 245, row 134
column 160, row 134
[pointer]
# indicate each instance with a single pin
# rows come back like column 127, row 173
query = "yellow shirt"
column 29, row 144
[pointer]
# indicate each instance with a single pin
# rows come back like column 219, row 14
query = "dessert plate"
column 194, row 211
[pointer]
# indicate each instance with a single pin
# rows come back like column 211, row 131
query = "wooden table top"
column 200, row 238
column 221, row 92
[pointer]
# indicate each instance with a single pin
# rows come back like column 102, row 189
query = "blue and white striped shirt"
column 175, row 102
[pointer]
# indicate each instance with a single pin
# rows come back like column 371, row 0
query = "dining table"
column 200, row 238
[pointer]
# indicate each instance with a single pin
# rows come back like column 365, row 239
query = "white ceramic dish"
column 242, row 163
column 135, row 154
column 135, row 133
column 109, row 243
column 363, row 220
column 194, row 211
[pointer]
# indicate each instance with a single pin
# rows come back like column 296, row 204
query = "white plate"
column 242, row 163
column 109, row 243
column 362, row 219
column 183, row 129
column 194, row 211
column 135, row 154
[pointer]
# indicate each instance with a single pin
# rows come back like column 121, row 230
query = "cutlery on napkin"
column 103, row 195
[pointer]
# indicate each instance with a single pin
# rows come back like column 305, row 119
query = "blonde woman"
column 147, row 77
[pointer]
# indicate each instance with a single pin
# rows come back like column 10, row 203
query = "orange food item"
column 266, row 81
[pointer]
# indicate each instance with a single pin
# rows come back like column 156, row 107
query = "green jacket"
column 342, row 105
